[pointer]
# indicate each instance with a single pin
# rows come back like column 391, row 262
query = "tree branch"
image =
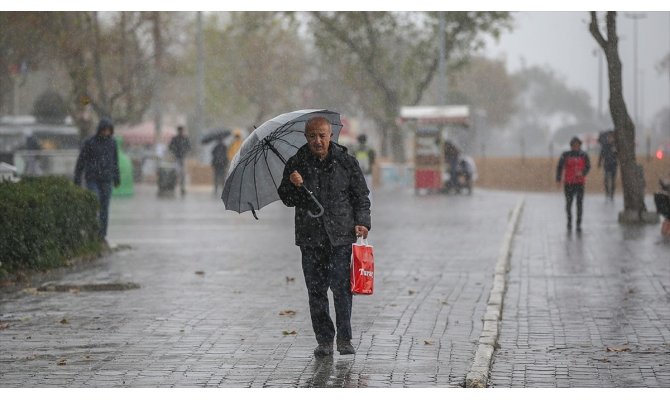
column 365, row 56
column 595, row 31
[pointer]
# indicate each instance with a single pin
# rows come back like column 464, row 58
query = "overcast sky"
column 561, row 40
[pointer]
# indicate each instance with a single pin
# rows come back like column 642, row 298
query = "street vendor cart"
column 430, row 124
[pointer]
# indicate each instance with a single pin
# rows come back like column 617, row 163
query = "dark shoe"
column 323, row 349
column 579, row 229
column 345, row 347
column 569, row 226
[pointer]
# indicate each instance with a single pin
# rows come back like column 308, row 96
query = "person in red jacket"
column 573, row 166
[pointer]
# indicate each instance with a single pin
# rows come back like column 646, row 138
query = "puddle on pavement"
column 87, row 287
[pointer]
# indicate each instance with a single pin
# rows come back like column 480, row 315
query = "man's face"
column 576, row 146
column 318, row 139
column 107, row 132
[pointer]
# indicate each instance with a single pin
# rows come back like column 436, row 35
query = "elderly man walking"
column 325, row 242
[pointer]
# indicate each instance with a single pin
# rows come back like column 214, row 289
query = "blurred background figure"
column 572, row 168
column 235, row 144
column 366, row 158
column 32, row 159
column 219, row 164
column 98, row 163
column 608, row 160
column 180, row 146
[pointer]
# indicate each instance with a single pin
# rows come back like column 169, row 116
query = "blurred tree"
column 546, row 107
column 21, row 46
column 50, row 108
column 546, row 94
column 632, row 178
column 107, row 59
column 390, row 58
column 485, row 84
column 255, row 65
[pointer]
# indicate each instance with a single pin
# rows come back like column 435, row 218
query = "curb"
column 477, row 377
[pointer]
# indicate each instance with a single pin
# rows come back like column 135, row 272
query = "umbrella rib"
column 239, row 203
column 287, row 143
column 274, row 182
column 283, row 130
column 258, row 203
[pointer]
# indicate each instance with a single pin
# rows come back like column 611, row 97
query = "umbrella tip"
column 253, row 211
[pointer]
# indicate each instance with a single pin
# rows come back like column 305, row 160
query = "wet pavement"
column 221, row 300
column 214, row 286
column 585, row 310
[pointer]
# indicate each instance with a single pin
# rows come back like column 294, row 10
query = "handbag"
column 362, row 267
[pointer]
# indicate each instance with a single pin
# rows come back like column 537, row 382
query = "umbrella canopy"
column 256, row 171
column 145, row 133
column 219, row 134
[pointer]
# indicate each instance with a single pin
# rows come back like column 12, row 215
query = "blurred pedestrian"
column 366, row 158
column 451, row 156
column 573, row 166
column 608, row 160
column 98, row 161
column 235, row 144
column 180, row 146
column 219, row 163
column 32, row 157
column 325, row 242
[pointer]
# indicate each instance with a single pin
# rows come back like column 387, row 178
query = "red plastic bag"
column 362, row 267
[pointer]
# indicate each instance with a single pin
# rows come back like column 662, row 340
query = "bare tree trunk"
column 74, row 49
column 158, row 80
column 631, row 175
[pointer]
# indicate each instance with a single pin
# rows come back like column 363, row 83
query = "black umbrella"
column 256, row 171
column 215, row 135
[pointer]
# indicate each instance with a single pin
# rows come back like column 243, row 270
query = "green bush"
column 44, row 222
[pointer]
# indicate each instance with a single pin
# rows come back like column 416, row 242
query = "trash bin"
column 126, row 187
column 167, row 178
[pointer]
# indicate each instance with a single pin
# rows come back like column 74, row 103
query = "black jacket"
column 98, row 159
column 338, row 184
column 180, row 146
column 220, row 155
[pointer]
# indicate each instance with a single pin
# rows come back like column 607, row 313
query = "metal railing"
column 45, row 162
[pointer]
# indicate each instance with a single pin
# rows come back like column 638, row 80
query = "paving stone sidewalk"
column 589, row 310
column 221, row 300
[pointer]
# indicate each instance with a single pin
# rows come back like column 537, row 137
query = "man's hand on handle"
column 361, row 231
column 296, row 178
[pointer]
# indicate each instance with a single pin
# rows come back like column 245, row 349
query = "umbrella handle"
column 321, row 210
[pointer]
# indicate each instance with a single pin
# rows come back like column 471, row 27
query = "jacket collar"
column 335, row 152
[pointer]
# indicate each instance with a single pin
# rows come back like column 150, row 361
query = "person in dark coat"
column 180, row 146
column 338, row 183
column 573, row 166
column 98, row 162
column 219, row 163
column 451, row 156
column 608, row 160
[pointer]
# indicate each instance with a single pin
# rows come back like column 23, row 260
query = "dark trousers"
column 326, row 267
column 610, row 179
column 103, row 191
column 571, row 191
column 219, row 178
column 181, row 174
